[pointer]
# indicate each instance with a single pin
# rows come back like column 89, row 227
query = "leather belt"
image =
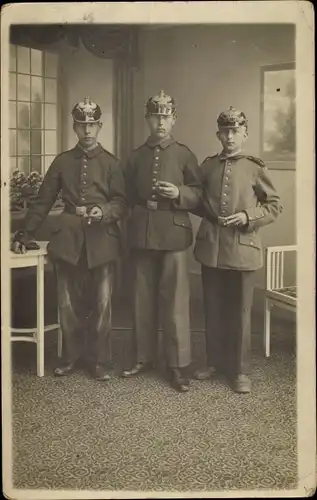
column 156, row 204
column 74, row 210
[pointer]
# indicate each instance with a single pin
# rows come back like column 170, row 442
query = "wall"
column 207, row 69
column 83, row 74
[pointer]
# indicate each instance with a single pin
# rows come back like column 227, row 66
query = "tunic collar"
column 164, row 143
column 227, row 156
column 80, row 151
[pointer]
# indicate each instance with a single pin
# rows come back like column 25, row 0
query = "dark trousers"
column 84, row 302
column 228, row 297
column 161, row 277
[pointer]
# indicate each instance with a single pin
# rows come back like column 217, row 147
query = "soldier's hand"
column 95, row 215
column 167, row 190
column 239, row 219
column 18, row 247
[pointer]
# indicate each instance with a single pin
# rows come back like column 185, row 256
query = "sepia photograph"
column 157, row 214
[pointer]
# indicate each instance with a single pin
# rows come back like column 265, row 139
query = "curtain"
column 102, row 40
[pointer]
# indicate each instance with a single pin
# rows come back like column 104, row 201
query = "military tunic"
column 160, row 232
column 230, row 255
column 83, row 254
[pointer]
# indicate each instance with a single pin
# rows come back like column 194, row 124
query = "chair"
column 276, row 293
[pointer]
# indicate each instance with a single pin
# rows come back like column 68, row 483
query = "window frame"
column 288, row 162
column 58, row 129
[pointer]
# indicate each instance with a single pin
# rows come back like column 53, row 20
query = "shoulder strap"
column 256, row 160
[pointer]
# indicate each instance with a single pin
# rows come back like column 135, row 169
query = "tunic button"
column 83, row 198
column 225, row 194
column 156, row 158
column 229, row 163
column 153, row 197
column 226, row 185
column 227, row 178
column 252, row 243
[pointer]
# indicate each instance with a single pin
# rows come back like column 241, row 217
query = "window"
column 278, row 115
column 33, row 109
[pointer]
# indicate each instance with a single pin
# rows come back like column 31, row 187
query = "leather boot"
column 205, row 373
column 241, row 384
column 137, row 369
column 64, row 369
column 99, row 373
column 179, row 381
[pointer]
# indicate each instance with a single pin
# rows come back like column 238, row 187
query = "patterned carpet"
column 76, row 433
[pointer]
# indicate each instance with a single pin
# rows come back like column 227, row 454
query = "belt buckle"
column 81, row 211
column 151, row 205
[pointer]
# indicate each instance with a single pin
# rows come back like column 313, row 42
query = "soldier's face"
column 232, row 139
column 160, row 125
column 87, row 133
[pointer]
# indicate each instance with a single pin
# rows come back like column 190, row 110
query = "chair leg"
column 59, row 343
column 267, row 327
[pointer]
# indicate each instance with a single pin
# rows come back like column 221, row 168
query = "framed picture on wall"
column 278, row 115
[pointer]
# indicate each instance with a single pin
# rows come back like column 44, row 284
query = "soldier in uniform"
column 238, row 199
column 85, row 242
column 161, row 179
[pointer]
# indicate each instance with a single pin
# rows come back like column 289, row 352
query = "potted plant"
column 23, row 189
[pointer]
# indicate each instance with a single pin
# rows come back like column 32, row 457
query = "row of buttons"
column 155, row 172
column 226, row 186
column 84, row 182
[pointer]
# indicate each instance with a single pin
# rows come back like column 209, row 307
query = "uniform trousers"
column 161, row 278
column 84, row 303
column 228, row 297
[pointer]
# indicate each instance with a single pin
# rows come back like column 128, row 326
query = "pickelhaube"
column 86, row 111
column 232, row 119
column 161, row 104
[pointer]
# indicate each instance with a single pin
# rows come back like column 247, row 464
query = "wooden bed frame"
column 276, row 294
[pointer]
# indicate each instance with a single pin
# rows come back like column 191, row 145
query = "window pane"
column 36, row 115
column 13, row 60
column 48, row 161
column 13, row 143
column 23, row 142
column 36, row 62
column 24, row 164
column 23, row 60
column 23, row 115
column 36, row 163
column 50, row 143
column 13, row 115
column 12, row 86
column 37, row 88
column 36, row 142
column 13, row 164
column 51, row 64
column 23, row 88
column 50, row 90
column 50, row 116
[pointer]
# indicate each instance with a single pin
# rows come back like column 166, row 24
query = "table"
column 38, row 259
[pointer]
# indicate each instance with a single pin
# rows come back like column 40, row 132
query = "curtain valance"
column 103, row 41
